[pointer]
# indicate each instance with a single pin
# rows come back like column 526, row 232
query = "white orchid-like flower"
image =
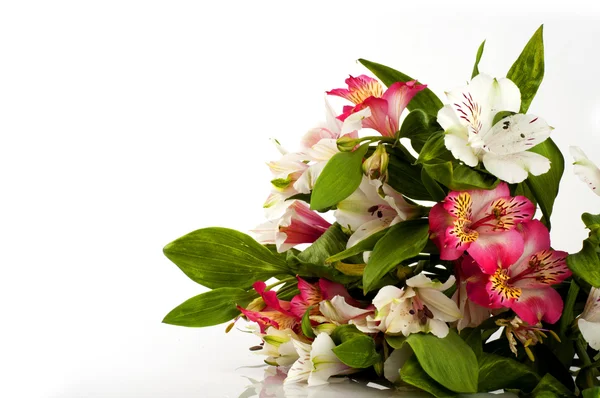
column 589, row 320
column 472, row 136
column 419, row 307
column 587, row 171
column 279, row 347
column 372, row 207
column 339, row 312
column 316, row 362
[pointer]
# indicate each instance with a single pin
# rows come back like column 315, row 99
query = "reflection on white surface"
column 272, row 387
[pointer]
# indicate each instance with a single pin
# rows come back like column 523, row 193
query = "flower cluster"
column 402, row 234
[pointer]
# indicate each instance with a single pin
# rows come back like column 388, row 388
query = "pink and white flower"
column 524, row 285
column 589, row 321
column 274, row 312
column 372, row 207
column 419, row 307
column 279, row 347
column 481, row 222
column 314, row 294
column 472, row 313
column 472, row 136
column 375, row 108
column 298, row 225
column 587, row 171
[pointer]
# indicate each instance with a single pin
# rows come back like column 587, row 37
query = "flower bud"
column 347, row 144
column 375, row 167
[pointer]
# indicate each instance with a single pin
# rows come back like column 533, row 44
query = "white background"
column 125, row 125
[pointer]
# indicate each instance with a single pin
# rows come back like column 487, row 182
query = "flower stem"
column 284, row 280
column 580, row 347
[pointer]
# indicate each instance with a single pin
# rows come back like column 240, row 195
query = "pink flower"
column 483, row 223
column 524, row 285
column 275, row 312
column 313, row 294
column 385, row 108
column 298, row 225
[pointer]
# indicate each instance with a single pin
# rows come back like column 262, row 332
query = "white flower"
column 372, row 207
column 589, row 320
column 587, row 171
column 279, row 347
column 316, row 363
column 338, row 311
column 419, row 307
column 472, row 136
column 392, row 365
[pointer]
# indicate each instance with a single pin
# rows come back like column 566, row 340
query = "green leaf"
column 497, row 372
column 433, row 187
column 340, row 177
column 221, row 257
column 449, row 361
column 477, row 59
column 331, row 242
column 591, row 392
column 591, row 221
column 210, row 308
column 550, row 387
column 418, row 126
column 396, row 342
column 472, row 336
column 344, row 333
column 459, row 177
column 358, row 352
column 364, row 245
column 413, row 374
column 306, row 325
column 435, row 149
column 403, row 241
column 545, row 187
column 405, row 178
column 425, row 100
column 568, row 316
column 586, row 264
column 528, row 70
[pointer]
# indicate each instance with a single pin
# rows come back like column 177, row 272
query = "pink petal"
column 482, row 197
column 359, row 89
column 546, row 268
column 439, row 222
column 504, row 213
column 380, row 119
column 496, row 249
column 331, row 289
column 398, row 95
column 538, row 304
column 310, row 293
column 477, row 283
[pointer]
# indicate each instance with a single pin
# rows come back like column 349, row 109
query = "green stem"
column 284, row 280
column 581, row 348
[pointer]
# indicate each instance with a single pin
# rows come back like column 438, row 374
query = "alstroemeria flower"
column 524, row 285
column 472, row 136
column 589, row 321
column 275, row 312
column 587, row 171
column 278, row 347
column 316, row 362
column 483, row 223
column 372, row 207
column 419, row 307
column 529, row 335
column 377, row 109
column 339, row 311
column 298, row 225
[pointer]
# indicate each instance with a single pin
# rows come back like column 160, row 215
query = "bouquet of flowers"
column 437, row 273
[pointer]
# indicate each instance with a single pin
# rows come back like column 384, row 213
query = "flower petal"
column 398, row 95
column 536, row 305
column 587, row 171
column 515, row 134
column 442, row 307
column 438, row 328
column 590, row 332
column 514, row 168
column 460, row 147
column 359, row 89
column 493, row 249
column 340, row 312
column 392, row 365
column 325, row 363
column 380, row 120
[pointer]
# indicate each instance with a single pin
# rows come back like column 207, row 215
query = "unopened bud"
column 375, row 167
column 347, row 144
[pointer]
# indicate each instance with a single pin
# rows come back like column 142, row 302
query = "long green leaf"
column 435, row 150
column 545, row 187
column 340, row 177
column 425, row 100
column 221, row 257
column 449, row 361
column 405, row 178
column 549, row 387
column 459, row 177
column 210, row 308
column 403, row 241
column 418, row 126
column 477, row 59
column 358, row 352
column 497, row 372
column 364, row 245
column 528, row 70
column 413, row 374
column 586, row 264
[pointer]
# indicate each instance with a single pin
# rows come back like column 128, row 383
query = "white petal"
column 354, row 121
column 590, row 332
column 333, row 123
column 386, row 294
column 366, row 230
column 438, row 328
column 448, row 119
column 392, row 365
column 325, row 362
column 338, row 311
column 307, row 180
column 591, row 311
column 460, row 148
column 587, row 171
column 516, row 167
column 516, row 133
column 322, row 151
column 301, row 369
column 442, row 307
column 504, row 96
